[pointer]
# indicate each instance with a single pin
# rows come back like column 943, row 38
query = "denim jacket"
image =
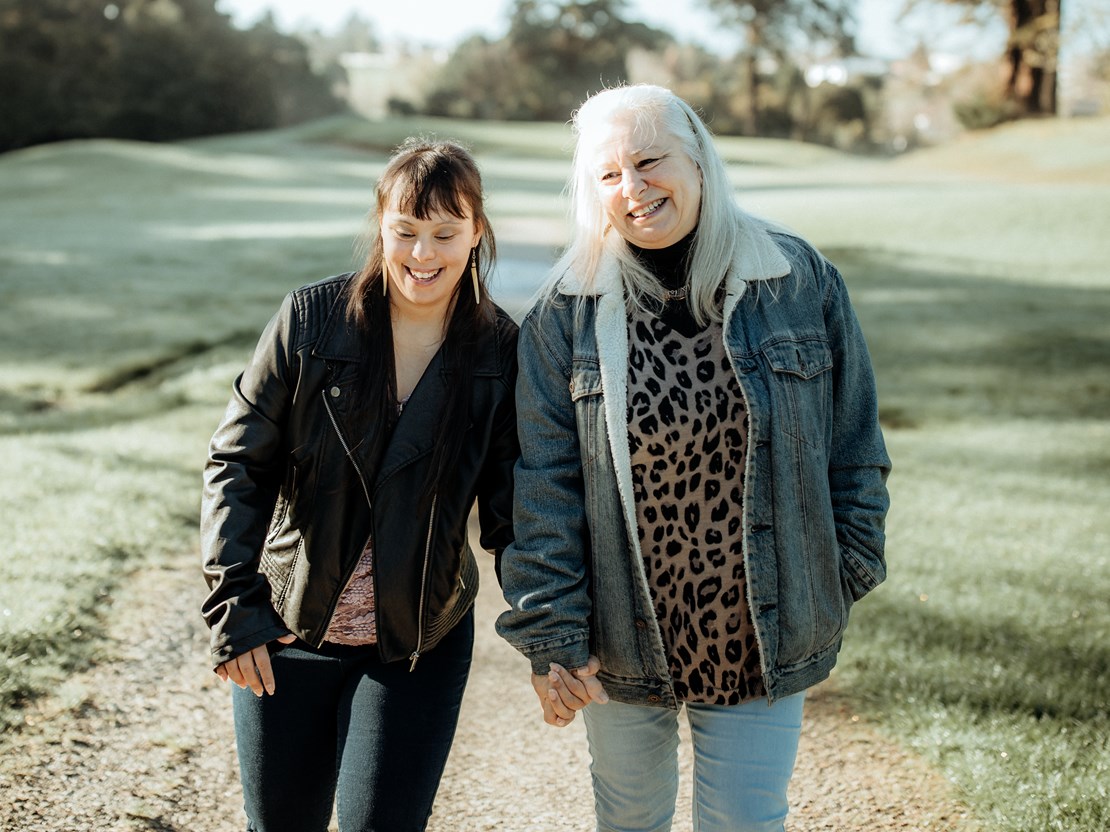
column 815, row 498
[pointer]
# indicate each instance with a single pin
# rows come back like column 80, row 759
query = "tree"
column 772, row 27
column 145, row 69
column 1032, row 48
column 555, row 54
column 571, row 49
column 58, row 63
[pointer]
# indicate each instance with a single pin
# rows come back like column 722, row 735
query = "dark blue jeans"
column 344, row 727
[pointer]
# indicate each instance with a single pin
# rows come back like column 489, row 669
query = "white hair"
column 653, row 109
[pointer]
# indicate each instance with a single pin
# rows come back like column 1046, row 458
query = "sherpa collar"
column 759, row 258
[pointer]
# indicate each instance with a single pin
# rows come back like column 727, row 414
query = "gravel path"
column 143, row 741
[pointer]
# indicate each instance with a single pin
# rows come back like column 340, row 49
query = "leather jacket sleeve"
column 246, row 463
column 495, row 490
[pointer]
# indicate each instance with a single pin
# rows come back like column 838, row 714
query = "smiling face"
column 424, row 259
column 649, row 187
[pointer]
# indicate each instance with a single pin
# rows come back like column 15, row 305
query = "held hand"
column 252, row 670
column 562, row 693
column 587, row 676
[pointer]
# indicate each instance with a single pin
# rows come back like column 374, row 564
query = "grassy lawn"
column 134, row 279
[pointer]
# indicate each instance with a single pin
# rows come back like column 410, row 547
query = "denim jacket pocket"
column 800, row 380
column 860, row 576
column 586, row 395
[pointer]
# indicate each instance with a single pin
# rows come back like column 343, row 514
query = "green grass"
column 989, row 649
column 134, row 278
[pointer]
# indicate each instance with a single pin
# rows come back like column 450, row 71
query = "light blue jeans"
column 743, row 759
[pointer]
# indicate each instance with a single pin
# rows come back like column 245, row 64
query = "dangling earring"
column 385, row 284
column 474, row 275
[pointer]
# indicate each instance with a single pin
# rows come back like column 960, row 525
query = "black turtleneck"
column 670, row 267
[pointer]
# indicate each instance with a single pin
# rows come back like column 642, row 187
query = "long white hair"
column 654, row 109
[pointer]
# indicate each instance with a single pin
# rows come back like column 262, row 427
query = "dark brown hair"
column 421, row 178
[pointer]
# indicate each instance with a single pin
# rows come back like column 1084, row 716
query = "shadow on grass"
column 988, row 662
column 951, row 346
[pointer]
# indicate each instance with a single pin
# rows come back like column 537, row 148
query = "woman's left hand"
column 252, row 669
column 563, row 693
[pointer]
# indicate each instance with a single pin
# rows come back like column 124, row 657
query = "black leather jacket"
column 290, row 499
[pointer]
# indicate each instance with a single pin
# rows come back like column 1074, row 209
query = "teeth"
column 423, row 275
column 647, row 209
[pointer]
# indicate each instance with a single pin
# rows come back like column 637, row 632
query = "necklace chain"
column 674, row 294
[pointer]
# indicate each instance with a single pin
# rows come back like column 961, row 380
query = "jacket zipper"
column 369, row 504
column 423, row 587
column 415, row 657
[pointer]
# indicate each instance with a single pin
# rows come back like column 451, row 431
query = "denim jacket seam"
column 556, row 641
column 551, row 352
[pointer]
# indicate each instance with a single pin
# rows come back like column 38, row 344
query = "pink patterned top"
column 354, row 621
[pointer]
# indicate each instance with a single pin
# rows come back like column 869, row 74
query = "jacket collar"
column 759, row 258
column 414, row 434
column 340, row 341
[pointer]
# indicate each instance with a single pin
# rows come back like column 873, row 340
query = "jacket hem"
column 784, row 682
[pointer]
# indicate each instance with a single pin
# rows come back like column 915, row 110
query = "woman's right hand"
column 252, row 670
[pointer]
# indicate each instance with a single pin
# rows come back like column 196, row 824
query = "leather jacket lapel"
column 414, row 434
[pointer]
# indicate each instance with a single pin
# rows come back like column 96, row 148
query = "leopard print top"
column 687, row 434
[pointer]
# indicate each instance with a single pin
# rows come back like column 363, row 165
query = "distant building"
column 377, row 82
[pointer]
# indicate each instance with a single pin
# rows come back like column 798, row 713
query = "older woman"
column 701, row 493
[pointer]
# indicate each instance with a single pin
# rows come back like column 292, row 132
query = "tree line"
column 152, row 70
column 556, row 51
column 169, row 69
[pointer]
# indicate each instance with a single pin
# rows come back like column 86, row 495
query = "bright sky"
column 446, row 22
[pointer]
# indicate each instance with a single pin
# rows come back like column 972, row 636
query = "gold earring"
column 385, row 284
column 474, row 275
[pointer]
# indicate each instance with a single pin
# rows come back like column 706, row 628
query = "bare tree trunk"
column 1052, row 81
column 1032, row 55
column 1021, row 14
column 753, row 94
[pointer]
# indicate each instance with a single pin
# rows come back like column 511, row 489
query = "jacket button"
column 334, row 392
column 654, row 697
column 641, row 624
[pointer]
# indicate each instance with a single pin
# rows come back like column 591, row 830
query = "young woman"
column 701, row 493
column 378, row 407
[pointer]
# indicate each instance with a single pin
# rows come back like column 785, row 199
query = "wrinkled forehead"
column 628, row 139
column 623, row 133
